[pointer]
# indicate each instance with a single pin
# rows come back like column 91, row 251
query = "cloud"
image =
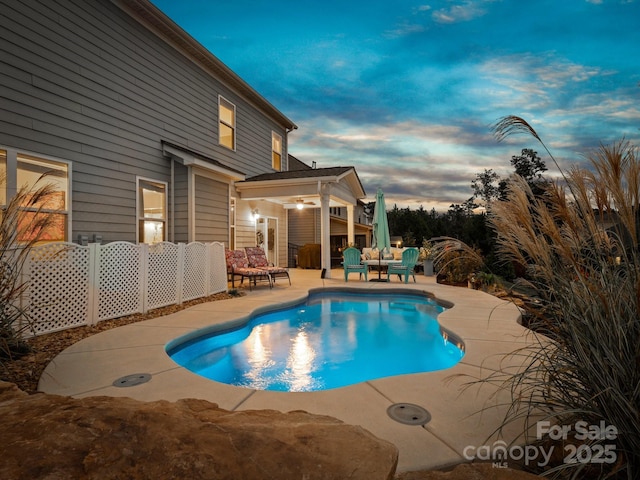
column 407, row 92
column 404, row 29
column 415, row 163
column 463, row 12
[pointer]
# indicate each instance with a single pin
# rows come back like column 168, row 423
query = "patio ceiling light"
column 300, row 204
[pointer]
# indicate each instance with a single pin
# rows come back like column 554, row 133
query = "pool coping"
column 463, row 414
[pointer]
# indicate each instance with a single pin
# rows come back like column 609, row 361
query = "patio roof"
column 287, row 188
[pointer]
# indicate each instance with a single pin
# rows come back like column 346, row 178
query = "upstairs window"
column 152, row 211
column 227, row 123
column 276, row 151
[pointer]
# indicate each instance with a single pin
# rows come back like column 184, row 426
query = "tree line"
column 466, row 221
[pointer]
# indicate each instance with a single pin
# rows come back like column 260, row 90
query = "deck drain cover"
column 409, row 414
column 132, row 380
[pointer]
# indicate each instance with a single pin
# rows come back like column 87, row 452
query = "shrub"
column 587, row 280
column 456, row 261
column 22, row 225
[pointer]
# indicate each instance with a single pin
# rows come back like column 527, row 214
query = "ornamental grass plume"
column 579, row 245
column 22, row 225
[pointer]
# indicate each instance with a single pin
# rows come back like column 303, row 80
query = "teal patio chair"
column 351, row 263
column 406, row 268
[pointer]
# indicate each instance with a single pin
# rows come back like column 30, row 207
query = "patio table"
column 381, row 264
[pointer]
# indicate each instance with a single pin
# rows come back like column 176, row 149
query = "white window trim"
column 233, row 201
column 275, row 134
column 139, row 214
column 12, row 178
column 235, row 121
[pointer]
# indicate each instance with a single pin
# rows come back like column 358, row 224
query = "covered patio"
column 322, row 188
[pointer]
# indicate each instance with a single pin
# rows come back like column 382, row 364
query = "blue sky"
column 406, row 91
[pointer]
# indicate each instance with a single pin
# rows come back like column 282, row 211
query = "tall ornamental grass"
column 22, row 225
column 579, row 244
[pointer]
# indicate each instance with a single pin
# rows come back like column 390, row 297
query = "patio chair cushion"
column 256, row 257
column 238, row 264
column 235, row 259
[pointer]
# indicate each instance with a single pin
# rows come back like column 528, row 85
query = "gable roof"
column 341, row 183
column 296, row 164
column 152, row 18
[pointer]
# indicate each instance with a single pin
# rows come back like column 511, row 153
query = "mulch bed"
column 25, row 371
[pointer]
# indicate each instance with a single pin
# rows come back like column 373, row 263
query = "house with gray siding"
column 146, row 135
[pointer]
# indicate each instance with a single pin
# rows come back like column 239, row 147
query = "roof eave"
column 154, row 19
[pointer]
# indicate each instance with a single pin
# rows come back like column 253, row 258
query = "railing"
column 72, row 285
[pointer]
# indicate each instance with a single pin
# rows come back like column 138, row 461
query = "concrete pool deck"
column 460, row 417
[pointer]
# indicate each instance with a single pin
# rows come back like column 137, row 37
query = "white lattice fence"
column 195, row 271
column 217, row 268
column 163, row 275
column 72, row 285
column 120, row 280
column 59, row 286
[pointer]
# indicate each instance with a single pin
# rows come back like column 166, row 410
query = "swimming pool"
column 337, row 337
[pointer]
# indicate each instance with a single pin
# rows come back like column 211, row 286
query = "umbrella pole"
column 379, row 279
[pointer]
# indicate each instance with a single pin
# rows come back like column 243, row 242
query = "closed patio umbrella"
column 381, row 238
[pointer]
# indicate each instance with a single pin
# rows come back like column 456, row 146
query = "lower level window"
column 26, row 173
column 152, row 211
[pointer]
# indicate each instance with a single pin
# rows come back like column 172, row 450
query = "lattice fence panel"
column 195, row 271
column 162, row 284
column 58, row 275
column 119, row 280
column 217, row 269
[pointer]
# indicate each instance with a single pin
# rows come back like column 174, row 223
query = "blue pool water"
column 332, row 340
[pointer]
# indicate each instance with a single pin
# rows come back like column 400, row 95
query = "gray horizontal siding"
column 304, row 226
column 211, row 210
column 181, row 204
column 84, row 82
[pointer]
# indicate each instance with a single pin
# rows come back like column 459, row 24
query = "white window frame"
column 233, row 210
column 230, row 105
column 140, row 210
column 11, row 181
column 275, row 136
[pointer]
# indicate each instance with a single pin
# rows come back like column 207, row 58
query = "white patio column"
column 325, row 240
column 351, row 236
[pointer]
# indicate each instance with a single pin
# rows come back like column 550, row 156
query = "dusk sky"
column 406, row 91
